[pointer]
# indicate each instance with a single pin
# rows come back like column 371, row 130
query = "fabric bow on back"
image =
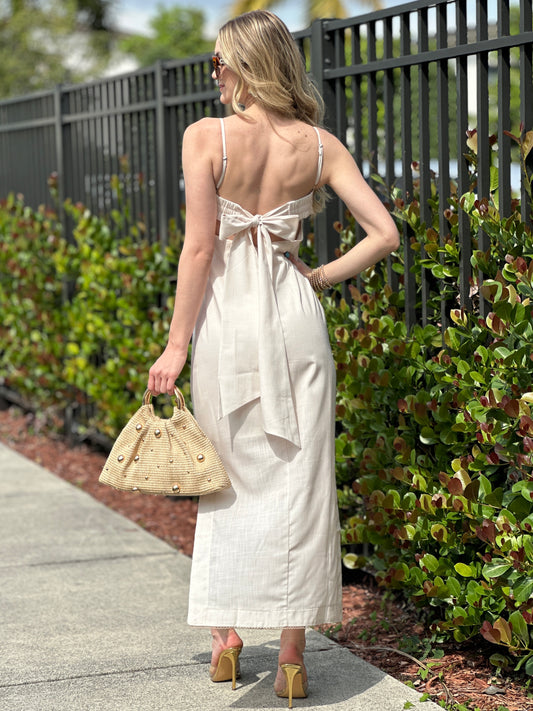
column 251, row 320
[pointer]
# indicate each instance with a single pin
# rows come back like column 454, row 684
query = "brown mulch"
column 378, row 628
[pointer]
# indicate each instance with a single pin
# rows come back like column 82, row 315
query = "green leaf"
column 523, row 591
column 466, row 571
column 439, row 532
column 519, row 627
column 454, row 586
column 496, row 569
column 528, row 668
column 430, row 562
column 500, row 660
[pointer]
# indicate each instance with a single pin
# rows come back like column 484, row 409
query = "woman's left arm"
column 196, row 255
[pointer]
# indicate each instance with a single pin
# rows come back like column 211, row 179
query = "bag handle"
column 180, row 400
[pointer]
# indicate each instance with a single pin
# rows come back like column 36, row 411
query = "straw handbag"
column 172, row 457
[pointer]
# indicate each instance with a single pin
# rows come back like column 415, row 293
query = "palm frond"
column 240, row 6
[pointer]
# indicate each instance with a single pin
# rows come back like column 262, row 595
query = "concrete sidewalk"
column 93, row 617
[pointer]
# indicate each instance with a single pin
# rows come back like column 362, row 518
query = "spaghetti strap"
column 224, row 153
column 320, row 157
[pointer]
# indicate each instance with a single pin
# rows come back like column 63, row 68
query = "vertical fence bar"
column 424, row 152
column 483, row 146
column 388, row 102
column 463, row 225
column 526, row 103
column 372, row 101
column 340, row 87
column 357, row 112
column 60, row 157
column 443, row 179
column 322, row 58
column 504, row 114
column 407, row 159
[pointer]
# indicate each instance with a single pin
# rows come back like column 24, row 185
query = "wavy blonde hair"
column 258, row 47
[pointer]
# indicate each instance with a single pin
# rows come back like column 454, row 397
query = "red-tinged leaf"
column 528, row 616
column 490, row 634
column 455, row 486
column 398, row 473
column 492, row 398
column 458, row 505
column 521, row 265
column 493, row 458
column 471, row 142
column 526, row 424
column 487, row 531
column 399, row 444
column 527, row 143
column 512, row 408
column 439, row 500
column 420, row 410
column 444, row 478
column 528, row 444
column 495, row 323
column 472, row 490
column 504, row 628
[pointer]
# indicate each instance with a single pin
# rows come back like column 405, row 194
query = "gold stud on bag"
column 171, row 457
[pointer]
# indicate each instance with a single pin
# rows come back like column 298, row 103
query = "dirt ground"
column 376, row 627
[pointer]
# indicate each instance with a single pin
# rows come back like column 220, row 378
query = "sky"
column 134, row 15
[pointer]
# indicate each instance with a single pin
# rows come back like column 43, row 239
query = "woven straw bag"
column 172, row 457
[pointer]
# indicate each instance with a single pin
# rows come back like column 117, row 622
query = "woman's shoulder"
column 330, row 139
column 203, row 130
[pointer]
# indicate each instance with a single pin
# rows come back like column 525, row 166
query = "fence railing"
column 400, row 85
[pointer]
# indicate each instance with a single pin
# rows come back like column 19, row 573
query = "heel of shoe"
column 227, row 667
column 296, row 687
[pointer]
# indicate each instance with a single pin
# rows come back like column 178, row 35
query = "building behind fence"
column 400, row 85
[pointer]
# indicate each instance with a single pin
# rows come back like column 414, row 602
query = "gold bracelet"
column 319, row 280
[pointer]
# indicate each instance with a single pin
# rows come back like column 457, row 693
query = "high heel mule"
column 228, row 666
column 296, row 687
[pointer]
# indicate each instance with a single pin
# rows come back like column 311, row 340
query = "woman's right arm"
column 195, row 258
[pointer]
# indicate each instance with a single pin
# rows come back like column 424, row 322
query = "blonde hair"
column 258, row 47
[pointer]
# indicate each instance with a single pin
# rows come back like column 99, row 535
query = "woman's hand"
column 165, row 371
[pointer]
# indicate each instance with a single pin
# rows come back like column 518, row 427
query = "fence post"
column 322, row 58
column 161, row 90
column 69, row 412
column 60, row 157
column 526, row 100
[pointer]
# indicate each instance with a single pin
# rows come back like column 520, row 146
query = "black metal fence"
column 400, row 85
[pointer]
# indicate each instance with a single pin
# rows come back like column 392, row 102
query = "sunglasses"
column 218, row 63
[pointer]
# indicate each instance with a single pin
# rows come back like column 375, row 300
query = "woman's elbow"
column 391, row 237
column 199, row 254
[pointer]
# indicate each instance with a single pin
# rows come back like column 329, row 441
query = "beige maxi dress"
column 267, row 550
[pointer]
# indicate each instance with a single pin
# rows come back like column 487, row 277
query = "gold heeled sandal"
column 296, row 687
column 228, row 666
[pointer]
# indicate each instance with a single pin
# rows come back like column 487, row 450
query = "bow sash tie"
column 253, row 358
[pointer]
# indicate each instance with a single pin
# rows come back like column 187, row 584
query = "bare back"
column 270, row 161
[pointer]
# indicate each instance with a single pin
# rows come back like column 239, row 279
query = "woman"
column 267, row 551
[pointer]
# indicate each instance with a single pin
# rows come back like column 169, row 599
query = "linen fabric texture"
column 266, row 551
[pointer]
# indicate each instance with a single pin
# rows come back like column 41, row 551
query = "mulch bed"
column 377, row 627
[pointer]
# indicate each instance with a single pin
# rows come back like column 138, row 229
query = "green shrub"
column 32, row 324
column 435, row 453
column 82, row 321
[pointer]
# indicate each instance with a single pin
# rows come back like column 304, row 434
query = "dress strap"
column 320, row 156
column 224, row 153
